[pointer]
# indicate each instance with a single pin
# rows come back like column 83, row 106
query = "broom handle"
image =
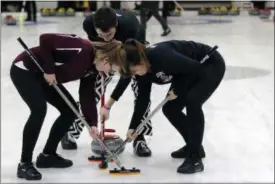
column 102, row 103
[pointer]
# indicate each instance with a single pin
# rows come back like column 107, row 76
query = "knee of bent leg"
column 193, row 105
column 38, row 111
column 167, row 109
column 68, row 113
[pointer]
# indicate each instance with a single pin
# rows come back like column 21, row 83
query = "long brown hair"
column 131, row 53
column 135, row 54
column 112, row 51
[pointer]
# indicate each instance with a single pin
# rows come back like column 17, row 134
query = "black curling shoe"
column 141, row 149
column 28, row 172
column 191, row 166
column 184, row 152
column 68, row 144
column 52, row 161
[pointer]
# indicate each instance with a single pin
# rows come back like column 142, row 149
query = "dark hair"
column 105, row 18
column 135, row 55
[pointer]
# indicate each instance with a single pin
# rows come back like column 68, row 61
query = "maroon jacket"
column 69, row 58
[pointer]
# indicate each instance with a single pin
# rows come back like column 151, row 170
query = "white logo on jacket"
column 163, row 77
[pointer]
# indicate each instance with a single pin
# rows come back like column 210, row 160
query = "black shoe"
column 141, row 149
column 184, row 152
column 28, row 171
column 190, row 166
column 52, row 161
column 166, row 32
column 68, row 144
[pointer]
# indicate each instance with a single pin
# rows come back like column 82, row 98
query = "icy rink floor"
column 239, row 132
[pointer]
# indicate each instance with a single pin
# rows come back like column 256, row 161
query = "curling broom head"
column 124, row 171
column 97, row 159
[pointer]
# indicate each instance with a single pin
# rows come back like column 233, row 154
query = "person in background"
column 149, row 9
column 31, row 10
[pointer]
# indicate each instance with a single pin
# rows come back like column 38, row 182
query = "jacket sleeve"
column 142, row 101
column 87, row 99
column 120, row 88
column 49, row 42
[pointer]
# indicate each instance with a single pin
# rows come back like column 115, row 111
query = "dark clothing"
column 36, row 92
column 128, row 27
column 69, row 58
column 30, row 8
column 149, row 9
column 177, row 62
column 169, row 60
column 115, row 4
column 259, row 4
column 66, row 4
column 193, row 95
column 168, row 6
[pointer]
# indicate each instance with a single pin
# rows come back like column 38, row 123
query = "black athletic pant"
column 36, row 92
column 167, row 7
column 115, row 5
column 30, row 8
column 149, row 9
column 259, row 4
column 66, row 4
column 192, row 96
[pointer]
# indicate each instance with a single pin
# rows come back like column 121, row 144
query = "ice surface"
column 239, row 133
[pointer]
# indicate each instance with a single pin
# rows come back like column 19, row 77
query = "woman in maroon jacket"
column 64, row 58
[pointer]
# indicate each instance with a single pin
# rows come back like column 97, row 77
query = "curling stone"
column 52, row 12
column 176, row 12
column 215, row 11
column 234, row 11
column 111, row 141
column 203, row 11
column 10, row 20
column 70, row 12
column 223, row 10
column 61, row 12
column 45, row 12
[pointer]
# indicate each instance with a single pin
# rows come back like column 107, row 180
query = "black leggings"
column 193, row 95
column 36, row 92
column 31, row 10
column 149, row 9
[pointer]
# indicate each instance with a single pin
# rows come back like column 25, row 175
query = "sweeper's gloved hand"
column 172, row 95
column 104, row 113
column 131, row 134
column 50, row 78
column 93, row 131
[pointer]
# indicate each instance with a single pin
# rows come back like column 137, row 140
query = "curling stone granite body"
column 112, row 144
